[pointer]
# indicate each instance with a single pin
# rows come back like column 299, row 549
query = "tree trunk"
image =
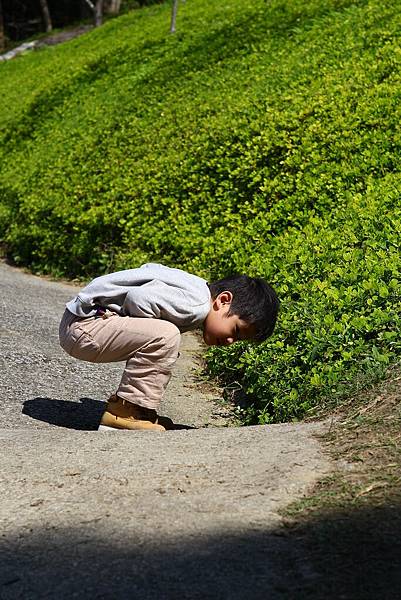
column 97, row 10
column 2, row 34
column 112, row 7
column 46, row 15
column 98, row 13
column 174, row 11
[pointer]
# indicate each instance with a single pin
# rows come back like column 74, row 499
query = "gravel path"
column 181, row 514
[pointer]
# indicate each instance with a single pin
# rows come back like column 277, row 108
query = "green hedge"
column 262, row 138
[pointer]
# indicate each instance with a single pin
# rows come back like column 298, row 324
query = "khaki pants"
column 149, row 347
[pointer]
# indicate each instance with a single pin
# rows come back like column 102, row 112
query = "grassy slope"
column 262, row 138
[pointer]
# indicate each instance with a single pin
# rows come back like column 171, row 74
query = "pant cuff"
column 140, row 401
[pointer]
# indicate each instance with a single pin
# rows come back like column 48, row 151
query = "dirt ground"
column 64, row 36
column 43, row 40
column 351, row 521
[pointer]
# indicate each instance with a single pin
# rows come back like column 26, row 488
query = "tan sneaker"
column 121, row 414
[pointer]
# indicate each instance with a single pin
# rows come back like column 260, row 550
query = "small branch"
column 174, row 11
column 91, row 6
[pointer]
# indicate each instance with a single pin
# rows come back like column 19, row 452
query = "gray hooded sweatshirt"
column 151, row 291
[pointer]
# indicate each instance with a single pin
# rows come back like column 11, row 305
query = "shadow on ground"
column 84, row 415
column 355, row 551
column 353, row 557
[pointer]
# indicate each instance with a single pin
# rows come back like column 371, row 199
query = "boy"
column 137, row 316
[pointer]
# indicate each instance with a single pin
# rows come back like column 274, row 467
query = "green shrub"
column 261, row 138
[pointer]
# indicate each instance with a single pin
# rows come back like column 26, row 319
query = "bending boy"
column 137, row 316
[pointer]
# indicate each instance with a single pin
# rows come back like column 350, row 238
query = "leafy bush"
column 262, row 138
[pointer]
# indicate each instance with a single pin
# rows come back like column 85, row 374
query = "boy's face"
column 222, row 329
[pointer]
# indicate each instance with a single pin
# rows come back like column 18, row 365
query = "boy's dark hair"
column 254, row 301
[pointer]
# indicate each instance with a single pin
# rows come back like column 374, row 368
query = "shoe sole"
column 105, row 428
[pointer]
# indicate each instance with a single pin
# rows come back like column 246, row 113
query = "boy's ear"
column 225, row 297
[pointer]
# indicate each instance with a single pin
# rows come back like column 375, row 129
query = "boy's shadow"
column 83, row 415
